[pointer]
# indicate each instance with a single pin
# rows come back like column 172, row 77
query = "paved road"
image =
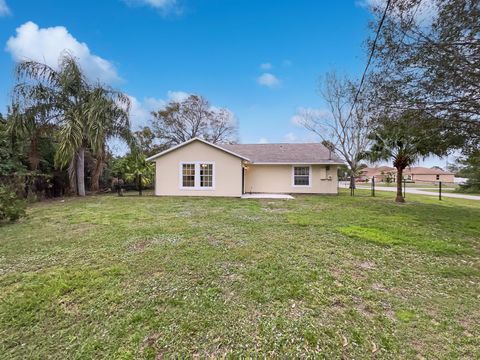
column 419, row 191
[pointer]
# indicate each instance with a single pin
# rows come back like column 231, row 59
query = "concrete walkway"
column 419, row 191
column 267, row 196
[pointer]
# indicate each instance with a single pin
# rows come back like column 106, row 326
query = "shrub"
column 11, row 207
column 470, row 187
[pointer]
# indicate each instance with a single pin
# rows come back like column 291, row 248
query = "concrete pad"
column 268, row 196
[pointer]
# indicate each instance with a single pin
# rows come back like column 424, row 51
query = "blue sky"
column 260, row 59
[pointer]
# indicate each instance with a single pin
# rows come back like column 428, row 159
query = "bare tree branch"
column 348, row 135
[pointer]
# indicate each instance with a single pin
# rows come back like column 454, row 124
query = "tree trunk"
column 72, row 176
column 399, row 197
column 97, row 172
column 81, row 171
column 140, row 184
column 33, row 158
column 352, row 182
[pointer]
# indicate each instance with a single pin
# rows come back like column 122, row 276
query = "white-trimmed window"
column 198, row 175
column 188, row 175
column 301, row 176
column 206, row 175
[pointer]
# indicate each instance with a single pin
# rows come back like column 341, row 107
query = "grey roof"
column 310, row 153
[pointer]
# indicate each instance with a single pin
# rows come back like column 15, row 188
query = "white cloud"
column 290, row 137
column 177, row 96
column 269, row 80
column 158, row 3
column 424, row 12
column 266, row 66
column 263, row 140
column 4, row 9
column 140, row 111
column 166, row 6
column 303, row 137
column 371, row 4
column 297, row 120
column 154, row 103
column 46, row 45
column 305, row 114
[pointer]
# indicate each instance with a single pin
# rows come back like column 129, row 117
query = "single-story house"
column 424, row 174
column 414, row 174
column 381, row 173
column 199, row 168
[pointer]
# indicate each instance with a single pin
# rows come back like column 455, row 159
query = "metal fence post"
column 440, row 191
column 373, row 186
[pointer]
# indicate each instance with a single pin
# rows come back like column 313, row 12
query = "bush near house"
column 11, row 207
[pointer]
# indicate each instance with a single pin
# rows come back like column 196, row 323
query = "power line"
column 372, row 51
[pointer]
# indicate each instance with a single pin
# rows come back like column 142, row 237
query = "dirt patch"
column 378, row 287
column 68, row 306
column 367, row 265
column 141, row 244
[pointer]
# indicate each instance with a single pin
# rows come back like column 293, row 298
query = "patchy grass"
column 324, row 276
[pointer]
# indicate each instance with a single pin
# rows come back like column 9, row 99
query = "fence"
column 438, row 186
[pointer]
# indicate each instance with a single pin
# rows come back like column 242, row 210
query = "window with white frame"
column 206, row 175
column 197, row 175
column 301, row 176
column 188, row 175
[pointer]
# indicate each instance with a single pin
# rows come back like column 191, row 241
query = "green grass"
column 319, row 276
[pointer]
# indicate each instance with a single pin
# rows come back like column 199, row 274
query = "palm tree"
column 400, row 150
column 407, row 139
column 139, row 170
column 83, row 112
column 30, row 125
column 112, row 121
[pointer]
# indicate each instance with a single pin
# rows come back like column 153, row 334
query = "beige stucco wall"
column 433, row 178
column 278, row 179
column 227, row 171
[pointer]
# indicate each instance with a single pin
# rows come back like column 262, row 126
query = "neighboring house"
column 419, row 174
column 415, row 174
column 199, row 168
column 381, row 173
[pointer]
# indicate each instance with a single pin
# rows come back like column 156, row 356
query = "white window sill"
column 198, row 188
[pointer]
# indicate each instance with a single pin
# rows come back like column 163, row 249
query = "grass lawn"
column 125, row 278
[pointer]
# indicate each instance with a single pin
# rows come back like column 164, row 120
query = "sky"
column 260, row 59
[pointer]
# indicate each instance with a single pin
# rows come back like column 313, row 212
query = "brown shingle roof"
column 310, row 153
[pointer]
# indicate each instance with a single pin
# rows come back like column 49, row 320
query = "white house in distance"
column 199, row 168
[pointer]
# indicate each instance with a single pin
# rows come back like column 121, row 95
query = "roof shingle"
column 308, row 153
